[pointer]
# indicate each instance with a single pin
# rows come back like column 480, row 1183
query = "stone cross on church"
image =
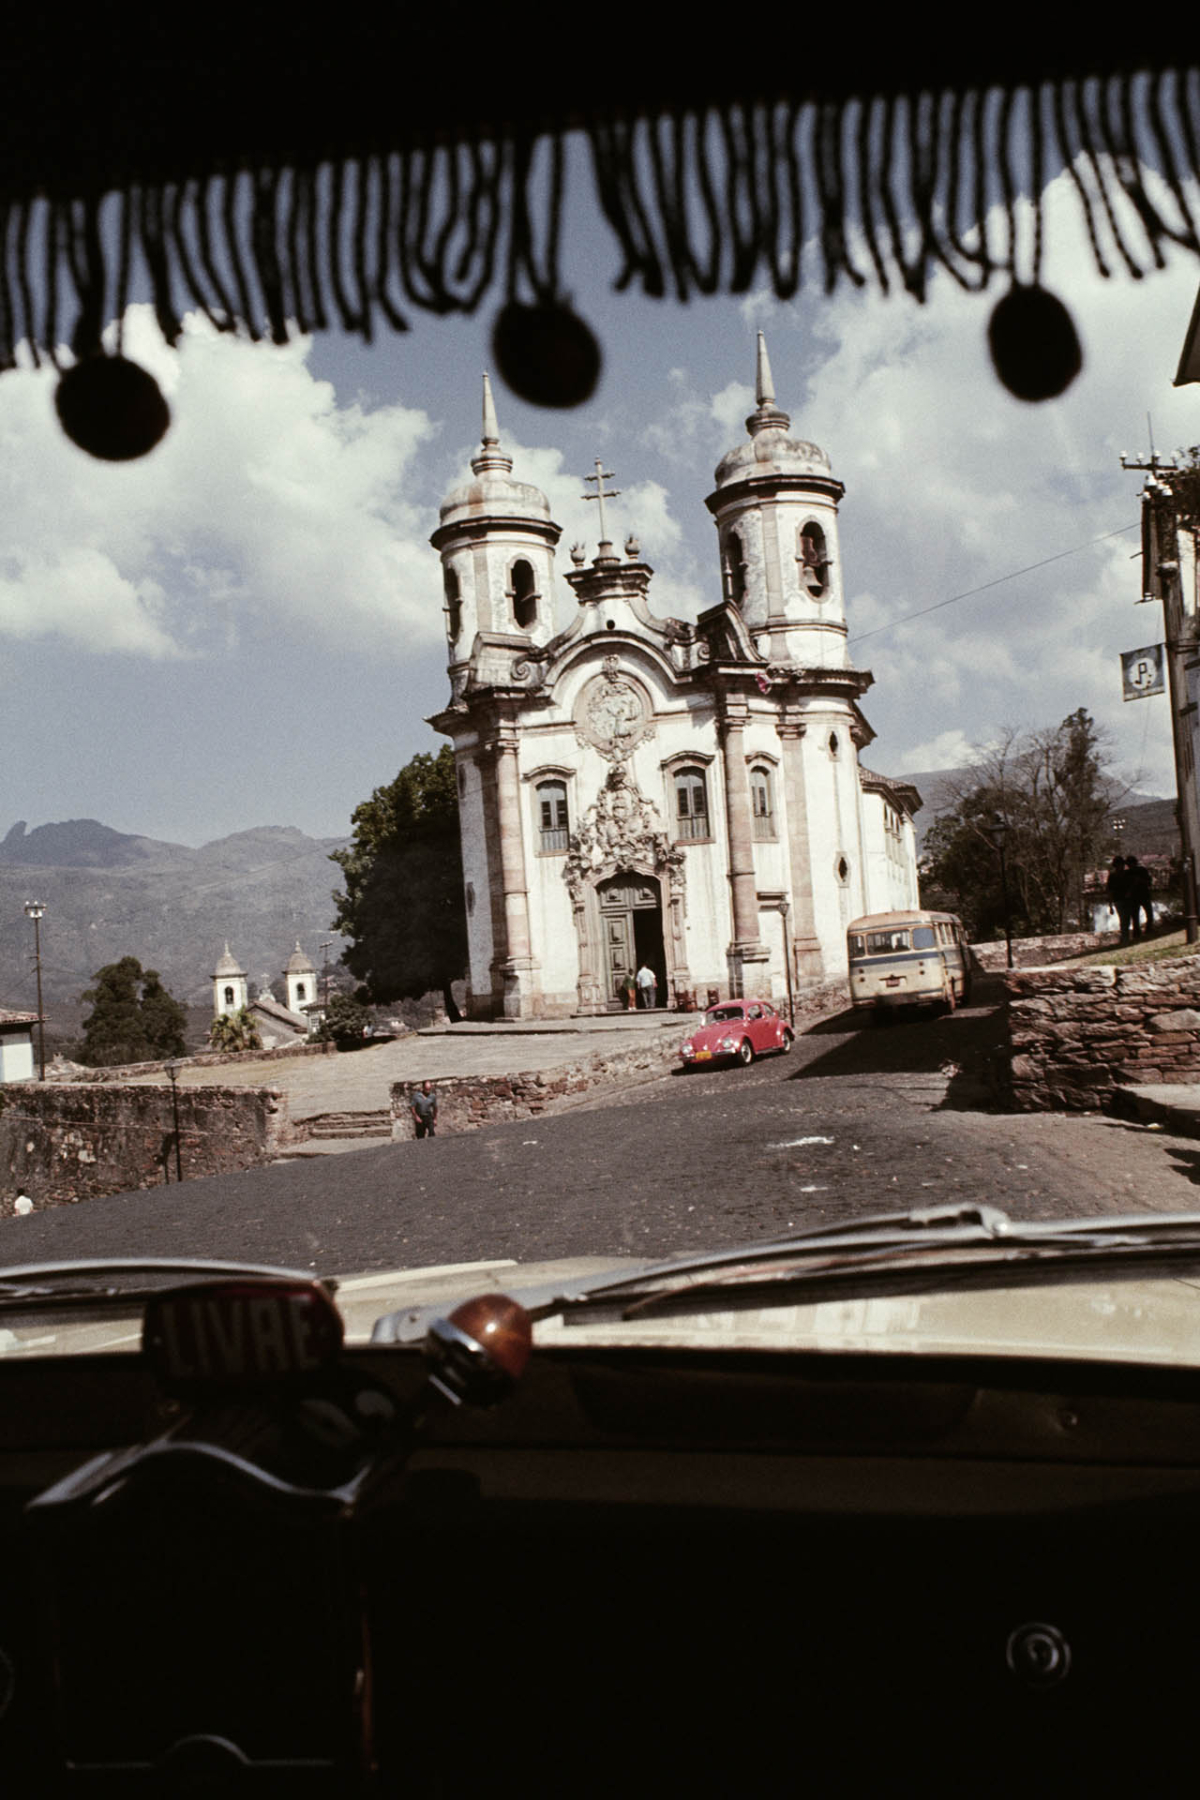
column 640, row 789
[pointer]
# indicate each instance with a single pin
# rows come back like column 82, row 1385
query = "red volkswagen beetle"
column 737, row 1030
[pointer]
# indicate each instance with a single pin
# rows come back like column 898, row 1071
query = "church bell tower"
column 496, row 541
column 775, row 507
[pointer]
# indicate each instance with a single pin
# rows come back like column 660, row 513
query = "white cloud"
column 265, row 501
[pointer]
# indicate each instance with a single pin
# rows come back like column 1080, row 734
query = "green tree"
column 133, row 1017
column 234, row 1031
column 344, row 1023
column 1052, row 794
column 402, row 907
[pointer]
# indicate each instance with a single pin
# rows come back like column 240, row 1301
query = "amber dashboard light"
column 479, row 1353
column 238, row 1333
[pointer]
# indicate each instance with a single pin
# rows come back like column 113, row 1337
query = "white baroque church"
column 636, row 789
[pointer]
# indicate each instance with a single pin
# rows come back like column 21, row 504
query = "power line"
column 999, row 580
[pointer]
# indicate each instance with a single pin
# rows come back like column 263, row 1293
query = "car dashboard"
column 643, row 1572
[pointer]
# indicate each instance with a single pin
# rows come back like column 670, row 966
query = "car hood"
column 1105, row 1314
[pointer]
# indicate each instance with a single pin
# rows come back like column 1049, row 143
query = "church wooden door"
column 631, row 919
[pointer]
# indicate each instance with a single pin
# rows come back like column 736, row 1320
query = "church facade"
column 644, row 790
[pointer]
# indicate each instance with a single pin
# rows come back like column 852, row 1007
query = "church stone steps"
column 350, row 1124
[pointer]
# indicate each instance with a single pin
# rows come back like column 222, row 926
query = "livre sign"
column 236, row 1332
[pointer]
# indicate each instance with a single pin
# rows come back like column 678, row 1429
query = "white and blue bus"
column 908, row 959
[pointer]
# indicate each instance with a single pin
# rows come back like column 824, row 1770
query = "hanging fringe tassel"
column 883, row 191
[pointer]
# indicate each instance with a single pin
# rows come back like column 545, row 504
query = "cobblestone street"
column 857, row 1119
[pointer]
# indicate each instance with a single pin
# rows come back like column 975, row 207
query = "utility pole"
column 35, row 910
column 1162, row 578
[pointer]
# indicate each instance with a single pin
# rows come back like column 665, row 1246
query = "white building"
column 641, row 789
column 16, row 1044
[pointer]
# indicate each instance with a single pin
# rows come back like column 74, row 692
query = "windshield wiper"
column 920, row 1251
column 917, row 1251
column 120, row 1280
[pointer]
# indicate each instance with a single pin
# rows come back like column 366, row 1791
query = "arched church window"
column 229, row 996
column 762, row 802
column 735, row 568
column 691, row 804
column 524, row 594
column 553, row 826
column 453, row 605
column 300, row 993
column 813, row 559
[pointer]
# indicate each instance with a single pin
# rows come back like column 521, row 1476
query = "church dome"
column 299, row 964
column 492, row 492
column 227, row 964
column 770, row 450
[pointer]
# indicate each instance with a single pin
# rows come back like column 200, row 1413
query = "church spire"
column 766, row 415
column 490, row 455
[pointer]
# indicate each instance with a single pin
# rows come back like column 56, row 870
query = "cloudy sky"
column 246, row 627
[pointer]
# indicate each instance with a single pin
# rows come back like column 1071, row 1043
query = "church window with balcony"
column 691, row 804
column 762, row 803
column 553, row 825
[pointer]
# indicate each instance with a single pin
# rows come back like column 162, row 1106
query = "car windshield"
column 397, row 785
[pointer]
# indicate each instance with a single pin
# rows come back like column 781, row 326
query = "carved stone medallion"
column 612, row 714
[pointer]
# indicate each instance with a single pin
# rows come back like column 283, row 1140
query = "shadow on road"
column 962, row 1046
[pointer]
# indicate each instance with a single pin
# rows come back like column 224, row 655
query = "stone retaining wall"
column 64, row 1143
column 203, row 1059
column 1036, row 952
column 1076, row 1035
column 466, row 1102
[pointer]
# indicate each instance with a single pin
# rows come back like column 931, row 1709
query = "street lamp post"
column 785, row 907
column 999, row 833
column 172, row 1069
column 35, row 909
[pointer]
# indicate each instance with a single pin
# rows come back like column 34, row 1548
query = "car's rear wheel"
column 745, row 1052
column 789, row 1038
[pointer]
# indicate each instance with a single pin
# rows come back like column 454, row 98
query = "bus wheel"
column 745, row 1053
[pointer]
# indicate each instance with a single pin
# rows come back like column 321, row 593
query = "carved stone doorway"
column 631, row 926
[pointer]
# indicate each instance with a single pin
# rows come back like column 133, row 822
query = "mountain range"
column 110, row 894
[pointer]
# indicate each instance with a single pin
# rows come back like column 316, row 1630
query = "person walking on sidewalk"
column 424, row 1110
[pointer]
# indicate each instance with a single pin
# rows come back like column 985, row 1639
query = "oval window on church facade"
column 691, row 804
column 553, row 826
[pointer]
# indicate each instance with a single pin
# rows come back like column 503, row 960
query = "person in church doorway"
column 424, row 1110
column 647, row 986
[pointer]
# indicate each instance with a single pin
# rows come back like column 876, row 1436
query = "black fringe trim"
column 882, row 192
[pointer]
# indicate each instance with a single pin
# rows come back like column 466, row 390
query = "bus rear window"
column 924, row 938
column 886, row 943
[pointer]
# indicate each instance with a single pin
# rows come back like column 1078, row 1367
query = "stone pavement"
column 361, row 1080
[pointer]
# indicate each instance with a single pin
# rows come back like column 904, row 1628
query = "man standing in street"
column 424, row 1110
column 647, row 986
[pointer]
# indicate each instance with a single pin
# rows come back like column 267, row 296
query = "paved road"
column 855, row 1120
